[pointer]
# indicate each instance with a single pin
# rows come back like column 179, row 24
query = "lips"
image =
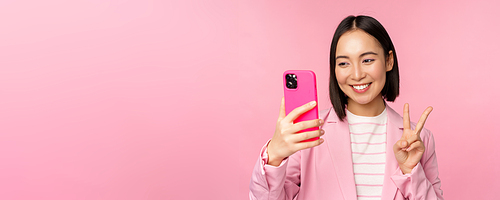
column 360, row 88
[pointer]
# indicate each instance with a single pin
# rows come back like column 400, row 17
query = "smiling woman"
column 356, row 162
column 369, row 48
column 360, row 72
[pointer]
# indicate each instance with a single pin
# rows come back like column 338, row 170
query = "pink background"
column 117, row 99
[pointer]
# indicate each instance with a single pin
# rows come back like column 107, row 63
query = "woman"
column 370, row 151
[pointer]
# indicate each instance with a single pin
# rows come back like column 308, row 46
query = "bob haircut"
column 371, row 26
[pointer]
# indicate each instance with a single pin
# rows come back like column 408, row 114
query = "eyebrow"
column 363, row 54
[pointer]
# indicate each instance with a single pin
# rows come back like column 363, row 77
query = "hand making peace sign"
column 410, row 148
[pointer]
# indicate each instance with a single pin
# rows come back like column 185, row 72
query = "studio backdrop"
column 129, row 99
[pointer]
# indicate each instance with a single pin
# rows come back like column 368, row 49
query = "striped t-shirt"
column 368, row 145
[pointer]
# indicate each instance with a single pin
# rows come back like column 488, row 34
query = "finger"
column 400, row 145
column 412, row 139
column 415, row 145
column 422, row 120
column 299, row 137
column 306, row 145
column 305, row 125
column 282, row 114
column 406, row 116
column 300, row 110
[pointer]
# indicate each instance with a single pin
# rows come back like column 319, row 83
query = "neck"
column 372, row 109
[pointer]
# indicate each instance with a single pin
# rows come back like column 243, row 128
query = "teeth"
column 360, row 87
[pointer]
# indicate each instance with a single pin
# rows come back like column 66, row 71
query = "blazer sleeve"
column 423, row 181
column 275, row 183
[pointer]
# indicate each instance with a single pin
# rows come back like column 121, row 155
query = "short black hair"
column 371, row 26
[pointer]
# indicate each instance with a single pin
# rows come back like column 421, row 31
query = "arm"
column 277, row 173
column 275, row 182
column 423, row 181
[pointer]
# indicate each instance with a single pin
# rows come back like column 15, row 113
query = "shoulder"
column 426, row 136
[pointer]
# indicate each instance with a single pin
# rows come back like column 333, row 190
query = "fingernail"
column 322, row 132
column 321, row 121
column 312, row 103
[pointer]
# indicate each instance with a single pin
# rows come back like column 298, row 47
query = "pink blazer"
column 326, row 171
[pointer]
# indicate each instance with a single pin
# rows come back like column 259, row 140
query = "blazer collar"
column 394, row 133
column 338, row 141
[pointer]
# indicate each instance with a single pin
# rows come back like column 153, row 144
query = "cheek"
column 380, row 77
column 382, row 81
column 340, row 76
column 379, row 73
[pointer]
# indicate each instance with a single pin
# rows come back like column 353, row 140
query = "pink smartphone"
column 300, row 88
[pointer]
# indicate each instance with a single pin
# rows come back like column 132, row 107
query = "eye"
column 342, row 64
column 368, row 60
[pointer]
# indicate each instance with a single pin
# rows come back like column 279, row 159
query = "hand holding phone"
column 297, row 126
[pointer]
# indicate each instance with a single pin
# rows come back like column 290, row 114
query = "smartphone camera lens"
column 291, row 81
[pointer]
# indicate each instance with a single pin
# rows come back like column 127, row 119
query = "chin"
column 362, row 101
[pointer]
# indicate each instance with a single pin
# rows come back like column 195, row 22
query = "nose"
column 358, row 72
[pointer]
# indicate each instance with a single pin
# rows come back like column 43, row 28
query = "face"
column 361, row 67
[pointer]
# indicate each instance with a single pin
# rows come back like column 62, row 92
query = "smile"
column 361, row 88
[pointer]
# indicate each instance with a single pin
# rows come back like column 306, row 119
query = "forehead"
column 357, row 42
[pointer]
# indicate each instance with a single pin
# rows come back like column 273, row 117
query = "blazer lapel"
column 338, row 141
column 394, row 133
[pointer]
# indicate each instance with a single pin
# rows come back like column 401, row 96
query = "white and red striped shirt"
column 368, row 145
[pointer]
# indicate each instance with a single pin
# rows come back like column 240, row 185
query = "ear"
column 389, row 61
